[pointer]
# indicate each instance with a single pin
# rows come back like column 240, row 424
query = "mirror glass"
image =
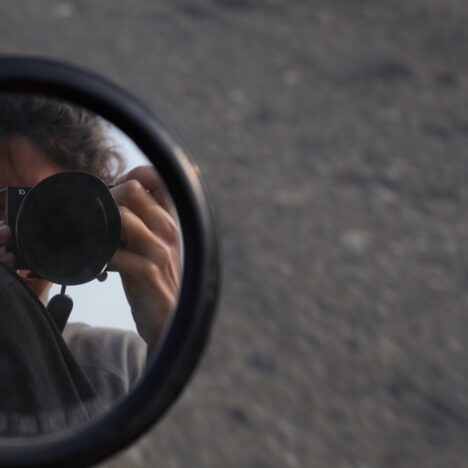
column 90, row 264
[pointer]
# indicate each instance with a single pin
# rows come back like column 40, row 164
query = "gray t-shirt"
column 112, row 359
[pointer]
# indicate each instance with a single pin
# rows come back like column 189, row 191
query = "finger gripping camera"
column 65, row 229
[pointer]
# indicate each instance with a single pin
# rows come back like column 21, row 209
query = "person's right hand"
column 6, row 258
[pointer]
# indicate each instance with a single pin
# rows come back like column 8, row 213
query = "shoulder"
column 113, row 359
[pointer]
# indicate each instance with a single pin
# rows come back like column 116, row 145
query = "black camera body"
column 14, row 196
column 65, row 229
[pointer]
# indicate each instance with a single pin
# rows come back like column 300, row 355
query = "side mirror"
column 181, row 196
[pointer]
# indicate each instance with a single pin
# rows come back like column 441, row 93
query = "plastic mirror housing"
column 174, row 360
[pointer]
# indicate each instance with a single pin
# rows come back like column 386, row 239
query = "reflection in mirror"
column 108, row 238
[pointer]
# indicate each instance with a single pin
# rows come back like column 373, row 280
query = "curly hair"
column 73, row 137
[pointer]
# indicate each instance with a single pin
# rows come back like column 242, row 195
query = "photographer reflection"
column 40, row 137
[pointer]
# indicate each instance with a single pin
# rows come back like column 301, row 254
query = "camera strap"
column 60, row 307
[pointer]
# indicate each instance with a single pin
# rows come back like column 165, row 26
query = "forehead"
column 22, row 163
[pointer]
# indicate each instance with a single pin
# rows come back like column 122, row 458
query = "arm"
column 149, row 264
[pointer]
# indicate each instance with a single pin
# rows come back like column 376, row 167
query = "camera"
column 65, row 229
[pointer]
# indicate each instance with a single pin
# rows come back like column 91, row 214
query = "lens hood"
column 68, row 227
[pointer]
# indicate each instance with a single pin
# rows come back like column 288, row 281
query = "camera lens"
column 68, row 227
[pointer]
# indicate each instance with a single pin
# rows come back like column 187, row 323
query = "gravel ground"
column 332, row 135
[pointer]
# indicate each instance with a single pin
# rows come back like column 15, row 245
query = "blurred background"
column 332, row 135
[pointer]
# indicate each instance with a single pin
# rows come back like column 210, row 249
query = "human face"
column 24, row 164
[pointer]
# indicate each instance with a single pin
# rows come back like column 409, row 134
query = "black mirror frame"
column 173, row 362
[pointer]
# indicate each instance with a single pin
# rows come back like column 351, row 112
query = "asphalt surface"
column 332, row 135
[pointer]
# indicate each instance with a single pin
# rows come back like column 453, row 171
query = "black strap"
column 59, row 308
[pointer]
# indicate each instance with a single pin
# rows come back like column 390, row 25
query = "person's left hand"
column 149, row 262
